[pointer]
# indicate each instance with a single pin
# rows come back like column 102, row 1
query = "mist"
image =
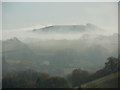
column 59, row 44
column 55, row 51
column 57, row 32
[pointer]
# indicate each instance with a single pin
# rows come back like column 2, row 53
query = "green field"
column 110, row 81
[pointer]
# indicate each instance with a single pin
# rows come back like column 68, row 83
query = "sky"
column 34, row 14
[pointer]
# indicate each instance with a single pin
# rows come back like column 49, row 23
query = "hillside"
column 68, row 28
column 14, row 49
column 110, row 81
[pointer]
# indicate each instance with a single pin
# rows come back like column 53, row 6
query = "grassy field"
column 110, row 81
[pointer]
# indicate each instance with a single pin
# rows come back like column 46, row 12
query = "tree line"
column 34, row 79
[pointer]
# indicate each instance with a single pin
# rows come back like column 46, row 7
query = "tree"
column 112, row 65
column 78, row 77
column 41, row 80
column 57, row 82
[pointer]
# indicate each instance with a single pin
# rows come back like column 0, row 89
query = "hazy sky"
column 33, row 14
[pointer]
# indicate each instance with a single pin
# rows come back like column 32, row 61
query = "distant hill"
column 68, row 28
column 14, row 49
column 16, row 56
column 12, row 44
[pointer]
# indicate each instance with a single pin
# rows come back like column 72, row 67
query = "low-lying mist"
column 57, row 53
column 57, row 32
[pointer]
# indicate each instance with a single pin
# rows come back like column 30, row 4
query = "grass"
column 110, row 81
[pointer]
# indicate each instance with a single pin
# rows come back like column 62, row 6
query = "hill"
column 68, row 28
column 14, row 49
column 109, row 81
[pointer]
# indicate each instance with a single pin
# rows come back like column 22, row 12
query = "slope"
column 110, row 81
